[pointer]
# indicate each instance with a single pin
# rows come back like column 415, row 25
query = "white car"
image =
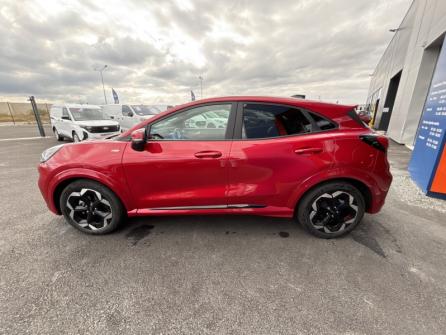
column 208, row 120
column 129, row 115
column 81, row 122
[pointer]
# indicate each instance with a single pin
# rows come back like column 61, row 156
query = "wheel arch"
column 64, row 183
column 360, row 185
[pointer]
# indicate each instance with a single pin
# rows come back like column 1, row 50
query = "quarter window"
column 265, row 121
column 198, row 124
column 322, row 123
column 126, row 111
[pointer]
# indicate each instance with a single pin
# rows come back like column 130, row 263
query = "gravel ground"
column 218, row 275
column 405, row 188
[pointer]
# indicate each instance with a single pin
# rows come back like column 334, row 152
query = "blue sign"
column 431, row 132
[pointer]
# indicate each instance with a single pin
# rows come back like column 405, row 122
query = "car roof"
column 81, row 106
column 310, row 104
column 330, row 110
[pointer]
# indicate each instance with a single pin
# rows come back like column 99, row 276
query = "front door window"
column 205, row 123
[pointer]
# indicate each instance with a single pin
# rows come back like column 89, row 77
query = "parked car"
column 129, row 115
column 281, row 157
column 81, row 122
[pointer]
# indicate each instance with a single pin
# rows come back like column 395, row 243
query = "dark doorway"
column 375, row 112
column 390, row 101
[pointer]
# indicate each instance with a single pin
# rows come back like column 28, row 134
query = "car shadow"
column 136, row 229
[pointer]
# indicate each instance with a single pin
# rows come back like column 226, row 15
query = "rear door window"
column 266, row 121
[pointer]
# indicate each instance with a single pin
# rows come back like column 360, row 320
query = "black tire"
column 57, row 135
column 84, row 209
column 333, row 217
column 76, row 138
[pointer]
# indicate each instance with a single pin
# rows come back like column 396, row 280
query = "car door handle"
column 208, row 154
column 307, row 151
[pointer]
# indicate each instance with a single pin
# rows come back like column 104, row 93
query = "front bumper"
column 44, row 186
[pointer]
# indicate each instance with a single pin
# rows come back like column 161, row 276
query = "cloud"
column 155, row 50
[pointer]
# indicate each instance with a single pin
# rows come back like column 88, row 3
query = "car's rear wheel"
column 75, row 137
column 91, row 207
column 331, row 210
column 57, row 135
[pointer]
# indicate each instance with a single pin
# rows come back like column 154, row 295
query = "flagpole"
column 201, row 86
column 102, row 79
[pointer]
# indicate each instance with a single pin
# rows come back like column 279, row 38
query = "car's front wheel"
column 91, row 207
column 331, row 210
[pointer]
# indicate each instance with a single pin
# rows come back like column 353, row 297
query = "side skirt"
column 238, row 209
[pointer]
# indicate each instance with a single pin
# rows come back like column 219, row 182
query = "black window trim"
column 229, row 135
column 306, row 112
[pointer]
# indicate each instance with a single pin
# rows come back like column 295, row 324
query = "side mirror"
column 139, row 139
column 130, row 114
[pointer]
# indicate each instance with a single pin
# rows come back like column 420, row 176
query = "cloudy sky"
column 155, row 50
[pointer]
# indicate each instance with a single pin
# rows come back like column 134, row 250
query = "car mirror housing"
column 139, row 138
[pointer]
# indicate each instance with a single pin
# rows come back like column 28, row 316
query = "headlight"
column 48, row 153
column 87, row 128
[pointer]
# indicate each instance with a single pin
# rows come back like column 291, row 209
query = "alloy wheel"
column 333, row 212
column 89, row 209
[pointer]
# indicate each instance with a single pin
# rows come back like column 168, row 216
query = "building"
column 402, row 78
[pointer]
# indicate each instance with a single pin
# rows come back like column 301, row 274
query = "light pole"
column 201, row 86
column 100, row 70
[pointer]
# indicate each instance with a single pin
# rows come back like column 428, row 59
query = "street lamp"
column 100, row 70
column 201, row 86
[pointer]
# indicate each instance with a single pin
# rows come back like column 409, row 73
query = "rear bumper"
column 377, row 203
column 383, row 179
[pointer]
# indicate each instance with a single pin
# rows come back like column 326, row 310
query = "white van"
column 130, row 115
column 81, row 122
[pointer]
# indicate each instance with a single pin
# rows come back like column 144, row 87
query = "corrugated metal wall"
column 413, row 50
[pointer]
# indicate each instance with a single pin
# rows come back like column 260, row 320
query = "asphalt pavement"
column 23, row 131
column 217, row 275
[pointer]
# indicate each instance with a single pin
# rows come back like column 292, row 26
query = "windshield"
column 84, row 114
column 145, row 110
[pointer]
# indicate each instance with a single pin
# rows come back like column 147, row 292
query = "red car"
column 279, row 157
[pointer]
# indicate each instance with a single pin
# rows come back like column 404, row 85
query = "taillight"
column 377, row 141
